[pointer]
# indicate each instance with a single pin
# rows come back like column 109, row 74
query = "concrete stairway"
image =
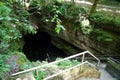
column 104, row 74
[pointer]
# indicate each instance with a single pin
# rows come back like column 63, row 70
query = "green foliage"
column 35, row 64
column 23, row 62
column 105, row 21
column 53, row 11
column 40, row 1
column 86, row 30
column 11, row 63
column 6, row 30
column 3, row 66
column 71, row 11
column 86, row 27
column 100, row 18
column 49, row 70
column 74, row 11
column 102, row 35
column 13, row 23
column 57, row 29
column 50, row 13
column 104, row 18
column 42, row 75
column 116, row 21
column 67, row 63
column 4, row 10
column 59, row 1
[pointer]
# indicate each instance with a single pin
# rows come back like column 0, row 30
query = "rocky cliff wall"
column 76, row 38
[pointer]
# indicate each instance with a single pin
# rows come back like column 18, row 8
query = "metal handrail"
column 85, row 62
column 98, row 64
column 38, row 67
column 61, row 72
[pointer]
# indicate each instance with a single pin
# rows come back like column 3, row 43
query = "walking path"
column 101, row 7
column 104, row 74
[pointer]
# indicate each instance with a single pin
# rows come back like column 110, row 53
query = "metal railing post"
column 36, row 71
column 95, row 58
column 70, row 57
column 83, row 57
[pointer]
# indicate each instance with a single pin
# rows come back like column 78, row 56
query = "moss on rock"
column 13, row 62
column 113, row 68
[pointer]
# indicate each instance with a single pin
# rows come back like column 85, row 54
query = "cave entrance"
column 39, row 47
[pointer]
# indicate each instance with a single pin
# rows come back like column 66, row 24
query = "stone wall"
column 113, row 68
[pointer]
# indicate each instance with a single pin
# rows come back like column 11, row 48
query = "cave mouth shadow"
column 39, row 47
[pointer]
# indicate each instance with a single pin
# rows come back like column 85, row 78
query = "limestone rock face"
column 81, row 41
column 77, row 73
column 74, row 36
column 16, row 62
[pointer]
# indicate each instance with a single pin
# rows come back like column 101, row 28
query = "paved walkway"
column 104, row 75
column 101, row 7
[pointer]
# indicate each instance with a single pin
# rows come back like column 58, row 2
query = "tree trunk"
column 93, row 9
column 73, row 1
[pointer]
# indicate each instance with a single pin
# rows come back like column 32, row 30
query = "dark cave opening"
column 39, row 47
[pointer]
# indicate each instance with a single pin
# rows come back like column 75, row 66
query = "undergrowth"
column 52, row 69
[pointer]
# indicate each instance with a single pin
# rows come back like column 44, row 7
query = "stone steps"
column 104, row 74
column 83, row 78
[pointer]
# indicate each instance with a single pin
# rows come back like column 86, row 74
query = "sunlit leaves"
column 13, row 26
column 103, row 36
column 3, row 67
column 58, row 28
column 31, row 29
column 85, row 26
column 39, row 1
column 59, row 1
column 4, row 10
column 67, row 63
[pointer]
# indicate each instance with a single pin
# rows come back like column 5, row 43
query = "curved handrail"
column 79, row 54
column 51, row 63
column 94, row 57
column 61, row 72
column 85, row 62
